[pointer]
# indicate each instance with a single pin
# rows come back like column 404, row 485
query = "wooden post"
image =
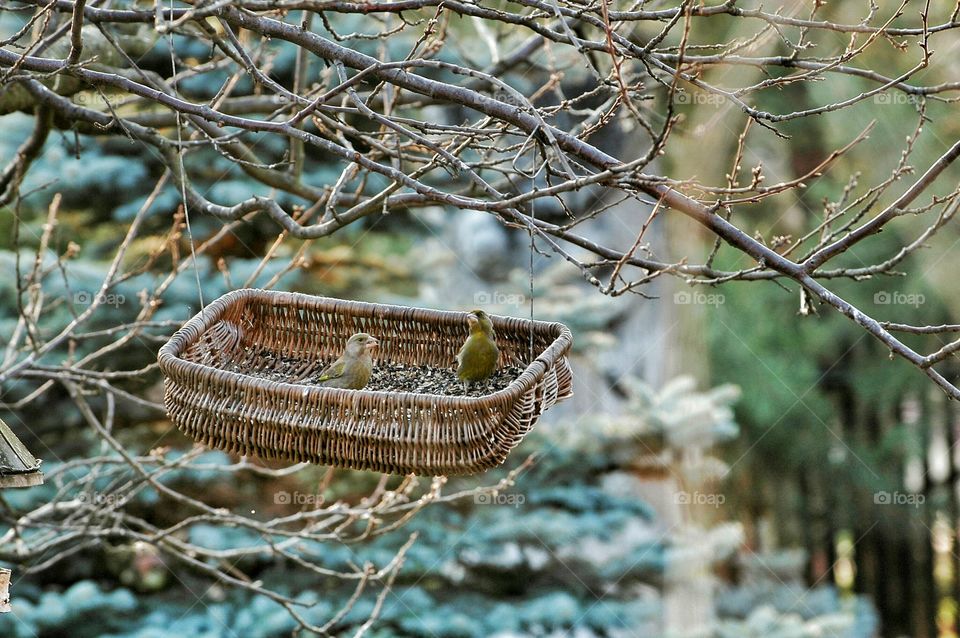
column 4, row 590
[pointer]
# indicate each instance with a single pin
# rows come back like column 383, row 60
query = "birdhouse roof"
column 18, row 468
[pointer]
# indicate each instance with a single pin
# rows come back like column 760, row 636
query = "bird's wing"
column 334, row 370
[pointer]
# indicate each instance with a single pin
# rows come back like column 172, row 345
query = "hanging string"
column 180, row 167
column 533, row 221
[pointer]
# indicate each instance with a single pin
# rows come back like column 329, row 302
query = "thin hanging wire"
column 533, row 221
column 183, row 176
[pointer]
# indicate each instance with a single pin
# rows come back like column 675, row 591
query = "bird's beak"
column 372, row 344
column 472, row 320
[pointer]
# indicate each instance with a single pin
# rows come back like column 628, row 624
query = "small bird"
column 477, row 359
column 353, row 369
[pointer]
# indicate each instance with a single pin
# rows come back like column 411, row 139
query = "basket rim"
column 169, row 359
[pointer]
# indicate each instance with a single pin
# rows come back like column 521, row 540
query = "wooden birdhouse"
column 18, row 468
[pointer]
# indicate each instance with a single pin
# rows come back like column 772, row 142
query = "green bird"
column 477, row 359
column 353, row 369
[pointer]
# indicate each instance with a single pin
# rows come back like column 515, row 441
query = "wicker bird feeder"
column 290, row 335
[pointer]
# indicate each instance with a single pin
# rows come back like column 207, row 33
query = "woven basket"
column 292, row 336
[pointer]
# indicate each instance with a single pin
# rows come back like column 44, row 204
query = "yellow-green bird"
column 477, row 359
column 353, row 369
